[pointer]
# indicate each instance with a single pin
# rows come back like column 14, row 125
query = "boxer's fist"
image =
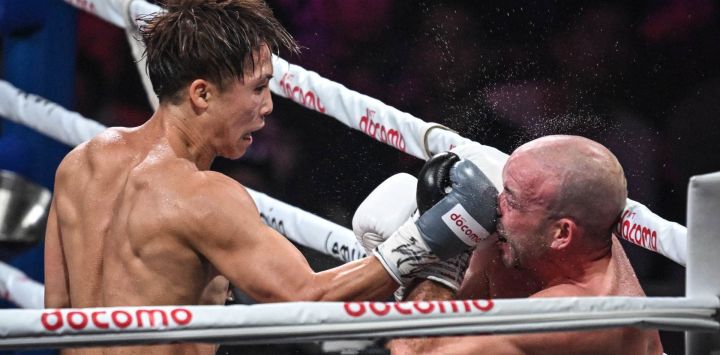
column 460, row 219
column 384, row 210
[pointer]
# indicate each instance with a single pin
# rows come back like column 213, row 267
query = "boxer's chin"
column 240, row 148
column 235, row 154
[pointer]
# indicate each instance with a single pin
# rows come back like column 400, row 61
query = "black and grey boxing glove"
column 464, row 215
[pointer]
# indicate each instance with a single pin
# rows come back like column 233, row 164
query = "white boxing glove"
column 449, row 273
column 384, row 210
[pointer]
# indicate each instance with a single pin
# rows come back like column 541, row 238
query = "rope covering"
column 19, row 289
column 304, row 321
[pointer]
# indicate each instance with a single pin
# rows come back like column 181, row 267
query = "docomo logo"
column 463, row 225
column 379, row 132
column 119, row 319
column 460, row 221
column 381, row 309
column 637, row 233
column 308, row 99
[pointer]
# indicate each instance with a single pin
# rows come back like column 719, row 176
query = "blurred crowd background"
column 641, row 77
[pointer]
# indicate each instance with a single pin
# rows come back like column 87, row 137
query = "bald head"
column 583, row 180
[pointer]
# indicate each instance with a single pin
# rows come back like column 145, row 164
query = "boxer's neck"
column 184, row 136
column 580, row 269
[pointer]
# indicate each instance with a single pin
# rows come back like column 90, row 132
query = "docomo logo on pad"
column 294, row 92
column 378, row 131
column 381, row 309
column 117, row 319
column 636, row 233
column 463, row 225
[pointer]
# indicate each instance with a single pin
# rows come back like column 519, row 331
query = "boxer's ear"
column 198, row 91
column 563, row 231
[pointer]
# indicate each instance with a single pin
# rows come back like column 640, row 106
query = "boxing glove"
column 386, row 208
column 490, row 160
column 462, row 217
column 460, row 203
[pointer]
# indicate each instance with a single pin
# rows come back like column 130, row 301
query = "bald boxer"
column 562, row 196
column 138, row 219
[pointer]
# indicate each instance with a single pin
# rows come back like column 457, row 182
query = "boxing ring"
column 695, row 248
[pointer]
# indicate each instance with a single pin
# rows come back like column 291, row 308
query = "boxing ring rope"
column 323, row 321
column 19, row 289
column 313, row 321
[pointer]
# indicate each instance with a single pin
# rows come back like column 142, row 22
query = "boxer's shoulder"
column 564, row 290
column 207, row 196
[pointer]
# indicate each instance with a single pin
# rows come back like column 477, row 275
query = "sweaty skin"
column 541, row 254
column 137, row 218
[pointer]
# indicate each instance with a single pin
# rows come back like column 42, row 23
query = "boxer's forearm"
column 360, row 280
column 427, row 290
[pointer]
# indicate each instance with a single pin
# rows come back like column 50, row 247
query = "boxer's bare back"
column 121, row 209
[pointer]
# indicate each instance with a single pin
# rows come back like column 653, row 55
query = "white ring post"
column 703, row 264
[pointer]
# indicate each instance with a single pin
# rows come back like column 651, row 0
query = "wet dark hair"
column 209, row 39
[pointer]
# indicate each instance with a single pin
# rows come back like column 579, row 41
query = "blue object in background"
column 38, row 57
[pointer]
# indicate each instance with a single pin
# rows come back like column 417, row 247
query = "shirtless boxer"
column 137, row 217
column 562, row 197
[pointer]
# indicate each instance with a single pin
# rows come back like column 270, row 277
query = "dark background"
column 641, row 77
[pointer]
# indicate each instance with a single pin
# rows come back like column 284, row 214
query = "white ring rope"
column 304, row 321
column 19, row 289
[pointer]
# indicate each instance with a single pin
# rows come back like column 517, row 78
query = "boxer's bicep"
column 254, row 257
column 56, row 278
column 269, row 268
column 228, row 231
